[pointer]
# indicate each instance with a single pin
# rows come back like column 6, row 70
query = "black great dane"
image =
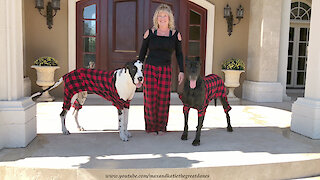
column 197, row 93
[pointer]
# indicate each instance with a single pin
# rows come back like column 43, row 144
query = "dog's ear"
column 127, row 66
column 130, row 63
column 197, row 59
column 138, row 60
column 187, row 60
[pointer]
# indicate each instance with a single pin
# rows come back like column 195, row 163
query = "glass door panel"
column 89, row 36
column 297, row 56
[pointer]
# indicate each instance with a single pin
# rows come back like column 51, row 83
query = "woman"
column 161, row 41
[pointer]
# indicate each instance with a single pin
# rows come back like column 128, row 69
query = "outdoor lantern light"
column 52, row 5
column 229, row 17
column 227, row 11
column 240, row 12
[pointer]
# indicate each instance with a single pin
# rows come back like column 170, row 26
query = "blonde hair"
column 167, row 9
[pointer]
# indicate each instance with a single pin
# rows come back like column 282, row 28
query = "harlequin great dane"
column 117, row 86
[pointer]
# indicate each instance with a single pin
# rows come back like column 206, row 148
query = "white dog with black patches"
column 126, row 90
column 125, row 80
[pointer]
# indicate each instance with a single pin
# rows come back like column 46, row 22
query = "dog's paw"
column 128, row 134
column 229, row 129
column 81, row 129
column 196, row 142
column 124, row 137
column 184, row 136
column 66, row 132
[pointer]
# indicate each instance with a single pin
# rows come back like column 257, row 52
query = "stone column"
column 17, row 113
column 283, row 51
column 306, row 111
column 263, row 52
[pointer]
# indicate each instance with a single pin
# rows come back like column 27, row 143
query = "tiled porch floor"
column 261, row 146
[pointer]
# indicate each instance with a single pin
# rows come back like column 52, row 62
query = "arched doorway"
column 298, row 44
column 109, row 33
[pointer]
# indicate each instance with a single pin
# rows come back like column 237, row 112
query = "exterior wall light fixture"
column 52, row 5
column 229, row 17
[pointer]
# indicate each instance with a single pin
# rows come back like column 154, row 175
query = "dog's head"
column 136, row 72
column 193, row 68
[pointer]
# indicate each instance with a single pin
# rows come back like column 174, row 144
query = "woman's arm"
column 144, row 47
column 179, row 54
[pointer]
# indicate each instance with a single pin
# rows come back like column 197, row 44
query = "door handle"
column 145, row 56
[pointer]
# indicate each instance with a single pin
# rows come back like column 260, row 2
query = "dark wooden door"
column 150, row 7
column 194, row 32
column 127, row 21
column 119, row 25
column 125, row 28
column 88, row 34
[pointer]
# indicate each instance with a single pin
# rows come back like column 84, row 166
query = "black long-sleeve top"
column 160, row 49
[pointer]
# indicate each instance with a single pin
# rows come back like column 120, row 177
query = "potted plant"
column 232, row 69
column 45, row 67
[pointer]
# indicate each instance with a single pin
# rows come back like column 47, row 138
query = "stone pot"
column 232, row 78
column 45, row 78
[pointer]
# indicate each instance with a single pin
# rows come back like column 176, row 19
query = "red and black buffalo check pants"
column 156, row 91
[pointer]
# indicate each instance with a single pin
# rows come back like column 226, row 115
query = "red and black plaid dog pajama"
column 91, row 80
column 156, row 91
column 214, row 87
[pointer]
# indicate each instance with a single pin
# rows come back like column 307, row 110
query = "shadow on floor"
column 106, row 150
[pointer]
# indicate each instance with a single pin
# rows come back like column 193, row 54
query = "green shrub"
column 233, row 64
column 46, row 61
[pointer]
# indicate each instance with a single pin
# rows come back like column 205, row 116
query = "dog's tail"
column 48, row 89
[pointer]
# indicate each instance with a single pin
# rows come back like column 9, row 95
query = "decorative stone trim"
column 262, row 91
column 18, row 123
column 306, row 117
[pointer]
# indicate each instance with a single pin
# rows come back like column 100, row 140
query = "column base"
column 18, row 126
column 233, row 99
column 285, row 97
column 262, row 91
column 306, row 117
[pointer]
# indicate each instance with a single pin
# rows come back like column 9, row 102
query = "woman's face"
column 163, row 19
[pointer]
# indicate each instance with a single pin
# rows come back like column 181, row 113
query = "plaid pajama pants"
column 156, row 91
column 94, row 81
column 215, row 88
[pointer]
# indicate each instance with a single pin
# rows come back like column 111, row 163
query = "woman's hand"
column 180, row 77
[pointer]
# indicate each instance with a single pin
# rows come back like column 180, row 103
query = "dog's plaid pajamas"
column 214, row 87
column 76, row 105
column 156, row 91
column 94, row 81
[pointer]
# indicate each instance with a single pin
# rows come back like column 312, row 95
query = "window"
column 88, row 36
column 196, row 18
column 194, row 35
column 300, row 11
column 298, row 44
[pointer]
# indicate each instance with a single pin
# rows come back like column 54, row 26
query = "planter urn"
column 232, row 78
column 45, row 79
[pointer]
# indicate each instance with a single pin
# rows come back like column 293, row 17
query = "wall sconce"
column 229, row 17
column 52, row 5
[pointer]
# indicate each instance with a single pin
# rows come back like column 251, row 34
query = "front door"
column 297, row 56
column 298, row 44
column 110, row 33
